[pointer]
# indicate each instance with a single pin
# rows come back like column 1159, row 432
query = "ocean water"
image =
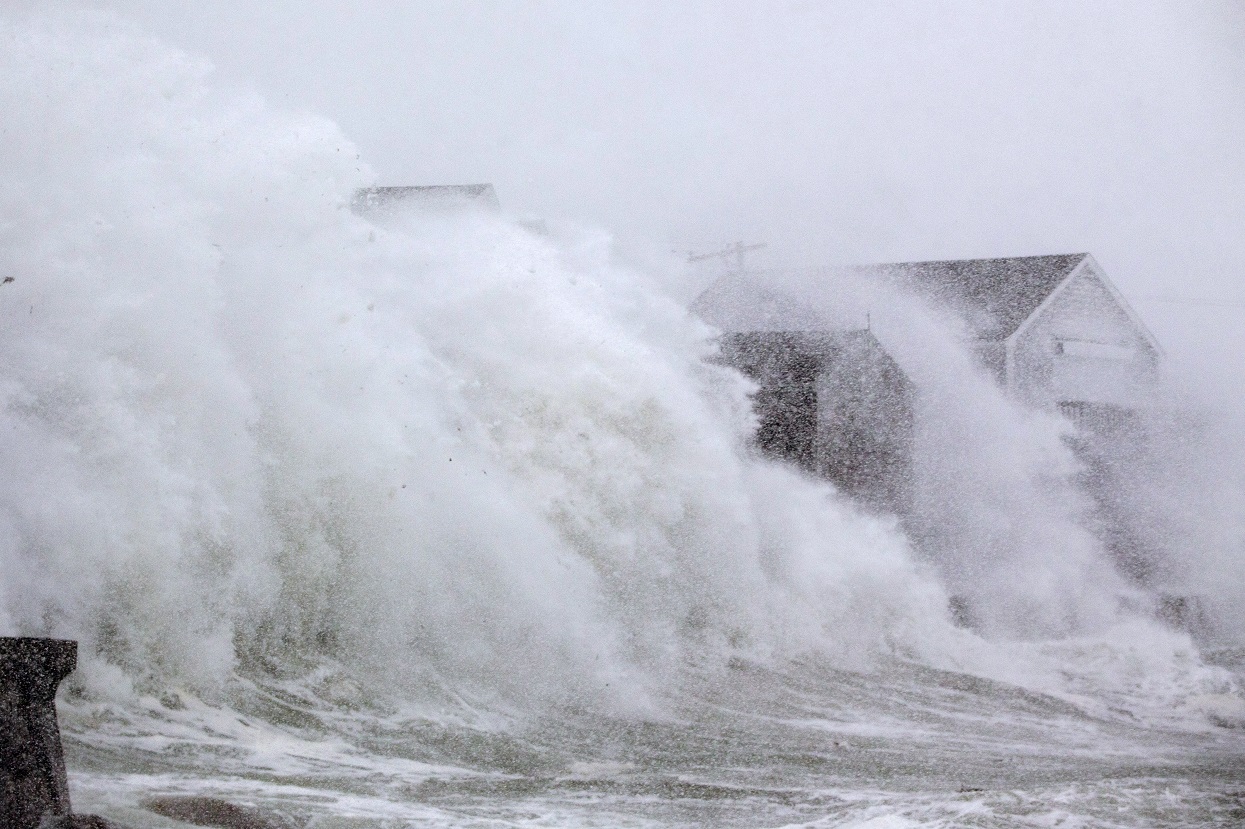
column 433, row 520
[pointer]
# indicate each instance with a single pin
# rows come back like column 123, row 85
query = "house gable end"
column 1083, row 344
column 1087, row 269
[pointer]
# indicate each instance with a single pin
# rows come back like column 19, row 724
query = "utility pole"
column 736, row 250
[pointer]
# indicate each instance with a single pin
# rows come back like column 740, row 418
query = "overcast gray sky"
column 848, row 131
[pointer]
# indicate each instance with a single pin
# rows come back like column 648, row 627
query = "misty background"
column 834, row 132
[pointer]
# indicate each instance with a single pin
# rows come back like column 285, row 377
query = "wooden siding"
column 1082, row 347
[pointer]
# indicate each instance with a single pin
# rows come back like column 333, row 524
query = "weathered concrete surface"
column 33, row 783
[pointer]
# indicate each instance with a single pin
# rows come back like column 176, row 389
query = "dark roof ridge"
column 993, row 296
column 1077, row 256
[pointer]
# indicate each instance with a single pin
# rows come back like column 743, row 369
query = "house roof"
column 857, row 347
column 427, row 197
column 738, row 302
column 994, row 296
column 832, row 342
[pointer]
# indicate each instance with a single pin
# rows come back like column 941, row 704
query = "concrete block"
column 33, row 783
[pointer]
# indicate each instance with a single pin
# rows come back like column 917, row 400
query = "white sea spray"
column 333, row 498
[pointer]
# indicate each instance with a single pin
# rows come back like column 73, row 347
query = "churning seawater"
column 433, row 520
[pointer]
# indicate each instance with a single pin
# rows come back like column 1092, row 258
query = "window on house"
column 1094, row 350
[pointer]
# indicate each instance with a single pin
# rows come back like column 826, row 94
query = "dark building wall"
column 834, row 404
column 866, row 424
column 786, row 369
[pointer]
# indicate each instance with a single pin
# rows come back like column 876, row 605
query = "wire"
column 1180, row 300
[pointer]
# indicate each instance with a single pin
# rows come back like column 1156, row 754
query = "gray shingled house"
column 1057, row 335
column 1052, row 330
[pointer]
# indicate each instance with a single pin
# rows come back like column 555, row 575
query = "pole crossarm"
column 736, row 250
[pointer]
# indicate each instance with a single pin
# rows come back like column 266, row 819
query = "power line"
column 1183, row 300
column 735, row 251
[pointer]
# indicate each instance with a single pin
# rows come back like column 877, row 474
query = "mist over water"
column 345, row 480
